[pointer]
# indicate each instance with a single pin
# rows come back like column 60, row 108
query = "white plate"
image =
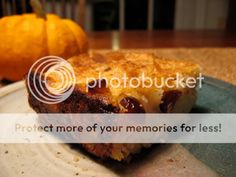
column 60, row 160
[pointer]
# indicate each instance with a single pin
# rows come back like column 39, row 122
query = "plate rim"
column 219, row 83
column 5, row 90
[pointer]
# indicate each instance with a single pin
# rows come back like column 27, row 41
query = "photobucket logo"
column 51, row 80
column 143, row 81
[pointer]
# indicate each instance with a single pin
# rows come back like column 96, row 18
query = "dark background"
column 105, row 13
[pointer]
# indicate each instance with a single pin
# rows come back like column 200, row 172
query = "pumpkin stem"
column 38, row 9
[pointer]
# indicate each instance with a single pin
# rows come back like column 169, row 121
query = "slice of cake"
column 119, row 82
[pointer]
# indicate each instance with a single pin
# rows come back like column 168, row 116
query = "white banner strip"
column 117, row 128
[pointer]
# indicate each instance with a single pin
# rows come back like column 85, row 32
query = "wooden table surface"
column 160, row 39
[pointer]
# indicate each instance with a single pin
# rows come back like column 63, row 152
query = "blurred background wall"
column 96, row 15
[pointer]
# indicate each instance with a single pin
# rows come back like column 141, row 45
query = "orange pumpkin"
column 26, row 38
